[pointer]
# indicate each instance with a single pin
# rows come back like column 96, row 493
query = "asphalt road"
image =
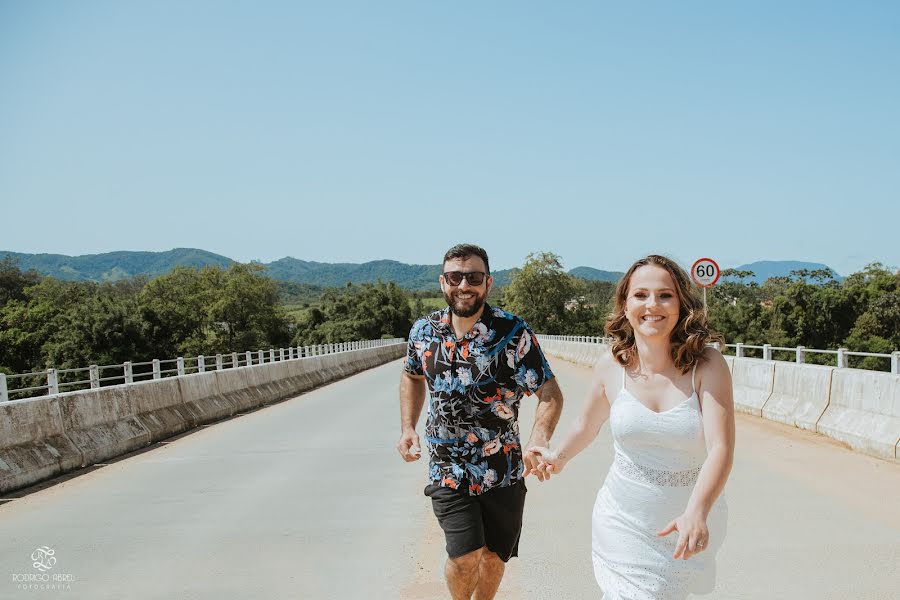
column 308, row 499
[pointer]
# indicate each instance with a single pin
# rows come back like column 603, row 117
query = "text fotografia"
column 43, row 582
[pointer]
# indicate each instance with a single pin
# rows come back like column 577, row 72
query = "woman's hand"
column 693, row 535
column 546, row 462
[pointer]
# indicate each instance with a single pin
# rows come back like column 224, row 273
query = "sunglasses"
column 456, row 277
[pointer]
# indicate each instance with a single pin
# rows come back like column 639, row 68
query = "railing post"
column 249, row 358
column 52, row 382
column 201, row 364
column 271, row 354
column 895, row 363
column 4, row 391
column 801, row 356
column 179, row 365
column 842, row 358
column 767, row 351
column 94, row 372
column 218, row 362
column 129, row 375
column 281, row 352
column 262, row 356
column 234, row 360
column 156, row 371
column 739, row 350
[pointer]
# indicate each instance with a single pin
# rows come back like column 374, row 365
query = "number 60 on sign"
column 705, row 272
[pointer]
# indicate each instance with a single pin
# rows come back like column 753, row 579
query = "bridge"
column 306, row 498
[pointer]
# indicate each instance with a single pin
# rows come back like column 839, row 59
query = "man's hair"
column 465, row 251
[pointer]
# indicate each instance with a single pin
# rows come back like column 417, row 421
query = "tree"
column 368, row 311
column 548, row 298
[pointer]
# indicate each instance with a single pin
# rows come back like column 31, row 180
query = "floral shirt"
column 472, row 431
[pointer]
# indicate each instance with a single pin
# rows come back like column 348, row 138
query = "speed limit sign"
column 705, row 272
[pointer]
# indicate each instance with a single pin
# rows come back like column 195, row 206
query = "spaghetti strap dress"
column 658, row 457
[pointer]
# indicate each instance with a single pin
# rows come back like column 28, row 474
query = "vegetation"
column 368, row 311
column 812, row 309
column 46, row 322
column 809, row 308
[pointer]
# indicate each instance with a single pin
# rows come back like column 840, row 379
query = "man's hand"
column 532, row 460
column 409, row 447
column 546, row 462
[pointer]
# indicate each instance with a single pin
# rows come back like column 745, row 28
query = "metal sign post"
column 705, row 272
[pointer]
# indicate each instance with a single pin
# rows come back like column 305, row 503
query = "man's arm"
column 412, row 398
column 549, row 409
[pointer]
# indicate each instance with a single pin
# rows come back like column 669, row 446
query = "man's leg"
column 490, row 572
column 462, row 574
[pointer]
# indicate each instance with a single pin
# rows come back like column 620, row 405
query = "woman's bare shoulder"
column 712, row 365
column 606, row 366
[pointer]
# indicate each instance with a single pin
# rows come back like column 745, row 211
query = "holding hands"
column 543, row 462
column 693, row 535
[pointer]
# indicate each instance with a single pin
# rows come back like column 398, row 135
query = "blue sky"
column 352, row 131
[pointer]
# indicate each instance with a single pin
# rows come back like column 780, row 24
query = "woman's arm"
column 584, row 429
column 717, row 405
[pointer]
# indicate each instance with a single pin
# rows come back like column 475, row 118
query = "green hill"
column 113, row 266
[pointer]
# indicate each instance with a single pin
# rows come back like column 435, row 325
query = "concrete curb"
column 202, row 398
column 752, row 379
column 102, row 423
column 33, row 445
column 159, row 406
column 864, row 411
column 800, row 394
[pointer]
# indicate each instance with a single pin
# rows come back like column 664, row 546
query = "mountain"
column 113, row 266
column 593, row 274
column 764, row 269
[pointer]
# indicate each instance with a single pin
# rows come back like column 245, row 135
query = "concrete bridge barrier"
column 202, row 398
column 43, row 437
column 102, row 423
column 33, row 445
column 864, row 411
column 752, row 379
column 800, row 394
column 234, row 386
column 266, row 381
column 158, row 405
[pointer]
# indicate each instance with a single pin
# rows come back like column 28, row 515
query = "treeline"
column 45, row 322
column 812, row 309
column 807, row 308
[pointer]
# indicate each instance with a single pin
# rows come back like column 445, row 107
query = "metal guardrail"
column 800, row 352
column 55, row 380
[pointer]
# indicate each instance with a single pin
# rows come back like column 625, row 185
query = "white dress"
column 657, row 460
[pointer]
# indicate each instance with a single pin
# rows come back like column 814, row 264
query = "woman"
column 658, row 519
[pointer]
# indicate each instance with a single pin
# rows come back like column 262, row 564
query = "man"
column 477, row 362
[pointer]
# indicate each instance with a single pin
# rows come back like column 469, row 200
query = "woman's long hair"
column 691, row 333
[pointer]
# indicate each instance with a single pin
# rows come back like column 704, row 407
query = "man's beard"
column 465, row 310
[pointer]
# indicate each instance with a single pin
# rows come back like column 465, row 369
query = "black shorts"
column 492, row 519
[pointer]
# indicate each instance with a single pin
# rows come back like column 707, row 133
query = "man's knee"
column 491, row 560
column 470, row 562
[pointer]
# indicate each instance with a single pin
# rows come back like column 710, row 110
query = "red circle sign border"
column 718, row 272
